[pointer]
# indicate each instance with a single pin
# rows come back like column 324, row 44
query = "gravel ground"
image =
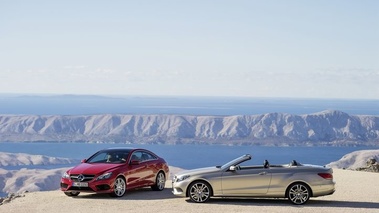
column 355, row 192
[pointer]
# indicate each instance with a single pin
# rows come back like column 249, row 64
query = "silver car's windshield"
column 236, row 161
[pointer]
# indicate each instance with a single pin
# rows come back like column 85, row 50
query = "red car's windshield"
column 109, row 156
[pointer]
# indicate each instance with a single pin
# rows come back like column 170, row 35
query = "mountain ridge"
column 325, row 128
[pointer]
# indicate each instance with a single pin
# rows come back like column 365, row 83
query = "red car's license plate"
column 80, row 184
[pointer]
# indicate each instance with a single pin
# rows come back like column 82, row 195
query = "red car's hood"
column 95, row 168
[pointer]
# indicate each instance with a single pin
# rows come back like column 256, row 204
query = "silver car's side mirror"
column 232, row 168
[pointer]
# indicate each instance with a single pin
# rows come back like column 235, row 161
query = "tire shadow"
column 134, row 194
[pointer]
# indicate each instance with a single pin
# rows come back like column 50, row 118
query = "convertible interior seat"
column 266, row 164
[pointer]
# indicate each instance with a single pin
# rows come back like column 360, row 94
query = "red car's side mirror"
column 83, row 161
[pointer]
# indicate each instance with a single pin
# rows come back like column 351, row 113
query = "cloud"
column 75, row 67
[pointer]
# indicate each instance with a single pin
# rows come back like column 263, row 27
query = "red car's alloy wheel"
column 119, row 188
column 160, row 182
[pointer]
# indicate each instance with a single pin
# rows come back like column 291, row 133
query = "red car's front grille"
column 86, row 178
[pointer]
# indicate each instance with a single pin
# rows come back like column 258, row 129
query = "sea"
column 92, row 104
column 183, row 156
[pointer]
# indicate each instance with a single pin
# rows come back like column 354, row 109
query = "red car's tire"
column 119, row 187
column 160, row 182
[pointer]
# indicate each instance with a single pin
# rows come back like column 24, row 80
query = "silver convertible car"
column 294, row 181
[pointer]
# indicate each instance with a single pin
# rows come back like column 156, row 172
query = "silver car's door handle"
column 262, row 173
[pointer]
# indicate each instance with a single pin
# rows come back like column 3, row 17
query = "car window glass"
column 147, row 156
column 119, row 156
column 136, row 156
column 113, row 156
column 100, row 157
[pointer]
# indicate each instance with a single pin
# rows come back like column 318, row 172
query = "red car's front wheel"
column 119, row 187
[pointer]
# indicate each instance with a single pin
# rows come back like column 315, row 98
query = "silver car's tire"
column 119, row 187
column 298, row 193
column 199, row 192
column 160, row 182
column 72, row 194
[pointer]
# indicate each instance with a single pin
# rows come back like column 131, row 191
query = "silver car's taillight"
column 326, row 175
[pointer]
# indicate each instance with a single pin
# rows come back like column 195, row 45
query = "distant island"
column 326, row 128
column 19, row 180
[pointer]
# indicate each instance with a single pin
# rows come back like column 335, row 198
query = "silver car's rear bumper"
column 325, row 189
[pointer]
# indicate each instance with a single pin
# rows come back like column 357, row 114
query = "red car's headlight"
column 66, row 175
column 104, row 176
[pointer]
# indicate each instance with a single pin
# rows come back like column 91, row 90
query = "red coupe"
column 116, row 170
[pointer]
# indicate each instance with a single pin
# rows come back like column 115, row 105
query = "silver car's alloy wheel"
column 119, row 187
column 298, row 193
column 160, row 182
column 199, row 192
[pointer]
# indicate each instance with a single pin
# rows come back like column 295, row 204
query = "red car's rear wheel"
column 160, row 182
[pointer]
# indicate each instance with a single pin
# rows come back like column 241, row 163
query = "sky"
column 242, row 48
